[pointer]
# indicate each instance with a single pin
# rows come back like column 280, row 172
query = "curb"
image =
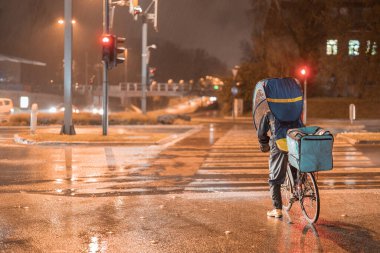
column 20, row 140
column 167, row 141
column 23, row 141
column 354, row 141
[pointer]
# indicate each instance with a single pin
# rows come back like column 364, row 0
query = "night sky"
column 29, row 28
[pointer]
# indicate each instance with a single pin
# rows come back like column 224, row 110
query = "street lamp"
column 144, row 68
column 153, row 46
column 304, row 73
column 234, row 88
column 61, row 21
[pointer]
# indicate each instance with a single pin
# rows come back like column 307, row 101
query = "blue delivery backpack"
column 310, row 149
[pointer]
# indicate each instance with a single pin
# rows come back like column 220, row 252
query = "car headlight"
column 53, row 110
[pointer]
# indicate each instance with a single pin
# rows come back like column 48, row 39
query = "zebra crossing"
column 235, row 163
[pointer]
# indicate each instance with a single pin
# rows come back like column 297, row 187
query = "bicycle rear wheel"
column 286, row 193
column 309, row 199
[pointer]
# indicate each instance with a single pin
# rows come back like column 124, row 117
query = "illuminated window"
column 332, row 47
column 353, row 47
column 371, row 47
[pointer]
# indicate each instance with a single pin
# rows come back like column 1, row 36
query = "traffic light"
column 304, row 71
column 134, row 7
column 152, row 74
column 112, row 48
column 108, row 44
column 119, row 51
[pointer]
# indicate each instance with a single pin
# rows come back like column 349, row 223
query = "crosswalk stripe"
column 235, row 163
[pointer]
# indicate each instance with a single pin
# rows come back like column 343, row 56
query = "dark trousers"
column 278, row 162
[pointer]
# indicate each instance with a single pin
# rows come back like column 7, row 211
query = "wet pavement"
column 205, row 193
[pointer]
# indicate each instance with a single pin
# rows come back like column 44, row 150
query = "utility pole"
column 136, row 10
column 105, row 70
column 144, row 64
column 144, row 50
column 305, row 101
column 304, row 72
column 68, row 127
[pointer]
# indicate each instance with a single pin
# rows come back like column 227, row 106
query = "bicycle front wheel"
column 309, row 200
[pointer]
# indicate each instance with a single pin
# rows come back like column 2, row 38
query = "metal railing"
column 155, row 89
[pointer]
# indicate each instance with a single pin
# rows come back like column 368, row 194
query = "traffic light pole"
column 144, row 63
column 68, row 127
column 305, row 100
column 105, row 70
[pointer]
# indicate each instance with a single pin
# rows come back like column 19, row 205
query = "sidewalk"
column 359, row 132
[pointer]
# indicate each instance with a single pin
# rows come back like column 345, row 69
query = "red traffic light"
column 304, row 71
column 152, row 70
column 106, row 39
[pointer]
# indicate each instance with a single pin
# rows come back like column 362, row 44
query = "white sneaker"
column 277, row 213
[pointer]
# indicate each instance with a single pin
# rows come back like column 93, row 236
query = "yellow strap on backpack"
column 282, row 145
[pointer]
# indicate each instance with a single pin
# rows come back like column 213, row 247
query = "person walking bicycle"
column 278, row 159
column 277, row 107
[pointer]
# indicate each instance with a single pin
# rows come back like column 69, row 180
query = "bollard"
column 33, row 118
column 352, row 109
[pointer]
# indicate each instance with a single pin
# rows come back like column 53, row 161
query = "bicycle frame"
column 291, row 178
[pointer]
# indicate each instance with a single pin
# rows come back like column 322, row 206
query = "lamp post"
column 68, row 127
column 144, row 67
column 144, row 63
column 145, row 17
column 304, row 74
column 106, row 30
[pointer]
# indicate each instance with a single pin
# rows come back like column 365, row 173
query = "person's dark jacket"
column 266, row 124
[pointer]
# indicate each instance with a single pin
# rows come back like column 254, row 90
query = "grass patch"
column 122, row 118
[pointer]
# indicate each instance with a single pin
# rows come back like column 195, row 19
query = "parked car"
column 6, row 108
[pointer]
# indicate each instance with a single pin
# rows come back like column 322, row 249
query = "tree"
column 288, row 34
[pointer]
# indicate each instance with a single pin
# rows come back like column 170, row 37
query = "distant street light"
column 61, row 21
column 235, row 70
column 153, row 46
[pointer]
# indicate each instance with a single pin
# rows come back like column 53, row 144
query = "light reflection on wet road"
column 197, row 190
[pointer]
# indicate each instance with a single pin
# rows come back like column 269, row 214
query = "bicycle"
column 305, row 190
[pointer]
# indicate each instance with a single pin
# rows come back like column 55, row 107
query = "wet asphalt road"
column 206, row 193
